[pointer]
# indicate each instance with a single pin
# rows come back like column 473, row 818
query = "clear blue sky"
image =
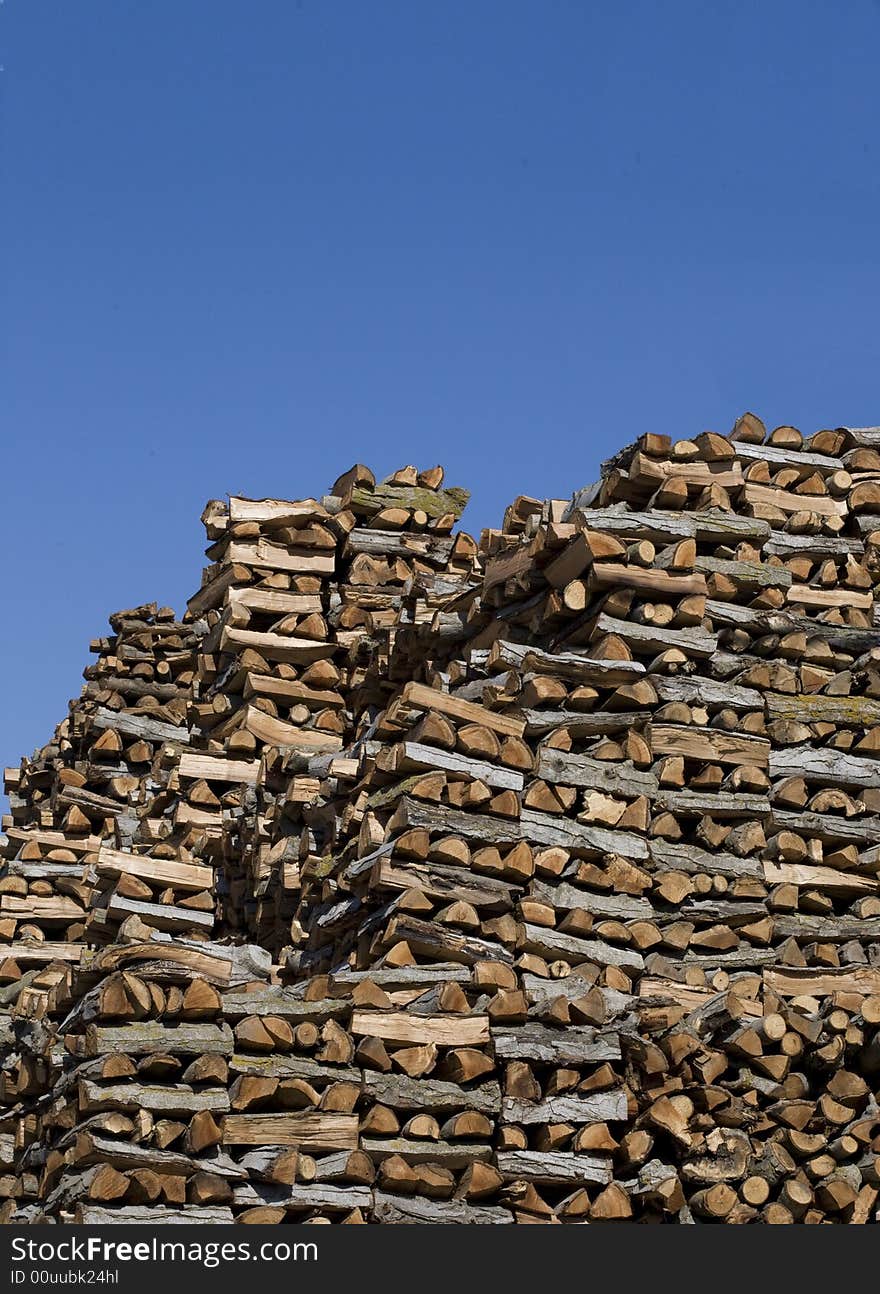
column 245, row 244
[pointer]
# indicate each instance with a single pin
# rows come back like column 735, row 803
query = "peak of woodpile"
column 413, row 879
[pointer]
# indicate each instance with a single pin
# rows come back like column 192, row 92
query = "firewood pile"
column 410, row 879
column 71, row 878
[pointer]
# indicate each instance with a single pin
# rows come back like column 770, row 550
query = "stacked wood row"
column 641, row 803
column 127, row 1057
column 570, row 899
column 81, row 877
column 185, row 807
column 300, row 606
column 76, row 807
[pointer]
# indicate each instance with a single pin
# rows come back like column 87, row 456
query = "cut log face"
column 411, row 878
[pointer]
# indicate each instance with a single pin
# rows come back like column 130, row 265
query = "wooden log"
column 539, row 828
column 658, row 582
column 710, row 744
column 617, row 907
column 666, row 527
column 553, row 944
column 794, row 981
column 411, row 756
column 308, row 1130
column 430, row 939
column 148, row 1037
column 275, row 512
column 569, row 1046
column 831, row 767
column 437, row 881
column 91, row 1148
column 553, row 1168
column 434, row 503
column 648, row 639
column 619, row 777
column 694, row 689
column 189, row 877
column 566, row 1109
column 747, row 576
column 842, row 711
column 167, row 1099
column 805, row 875
column 786, row 501
column 138, row 726
column 53, row 911
column 93, row 1215
column 402, row 1093
column 162, row 916
column 311, row 1196
column 454, row 1155
column 416, row 1210
column 193, row 764
column 574, row 667
column 444, row 1031
column 425, row 698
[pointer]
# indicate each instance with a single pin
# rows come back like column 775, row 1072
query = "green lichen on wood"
column 847, row 711
column 388, row 794
column 319, row 868
column 434, row 503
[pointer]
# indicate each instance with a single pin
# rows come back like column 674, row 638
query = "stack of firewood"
column 631, row 796
column 138, row 1052
column 301, row 606
column 563, row 848
column 76, row 806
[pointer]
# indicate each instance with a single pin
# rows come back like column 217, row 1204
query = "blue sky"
column 244, row 245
